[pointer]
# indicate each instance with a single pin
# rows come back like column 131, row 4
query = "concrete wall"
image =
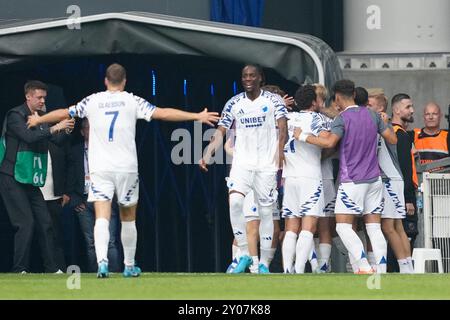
column 422, row 86
column 396, row 26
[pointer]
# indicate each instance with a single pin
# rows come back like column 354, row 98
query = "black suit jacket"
column 17, row 132
column 60, row 163
column 76, row 174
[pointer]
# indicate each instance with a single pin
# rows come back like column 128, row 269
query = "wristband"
column 303, row 136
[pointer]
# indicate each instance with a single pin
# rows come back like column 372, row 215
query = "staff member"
column 431, row 142
column 22, row 171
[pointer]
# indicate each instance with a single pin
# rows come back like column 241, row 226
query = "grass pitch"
column 210, row 286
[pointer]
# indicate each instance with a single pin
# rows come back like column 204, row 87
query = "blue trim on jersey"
column 287, row 213
column 394, row 197
column 130, row 192
column 348, row 202
column 379, row 209
column 317, row 124
column 330, row 206
column 98, row 193
column 307, row 206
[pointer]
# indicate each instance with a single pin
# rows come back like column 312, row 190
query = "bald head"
column 432, row 116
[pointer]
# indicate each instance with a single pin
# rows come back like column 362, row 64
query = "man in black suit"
column 56, row 195
column 79, row 183
column 22, row 171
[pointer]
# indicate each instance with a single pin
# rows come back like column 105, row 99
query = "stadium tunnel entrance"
column 182, row 220
column 183, row 213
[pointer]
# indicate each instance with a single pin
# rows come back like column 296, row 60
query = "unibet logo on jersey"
column 253, row 122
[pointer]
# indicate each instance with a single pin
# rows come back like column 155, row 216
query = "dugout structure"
column 183, row 221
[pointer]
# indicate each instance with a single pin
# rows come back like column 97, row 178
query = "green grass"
column 210, row 286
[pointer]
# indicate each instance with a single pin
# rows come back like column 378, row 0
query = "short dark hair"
column 344, row 87
column 361, row 96
column 259, row 69
column 399, row 97
column 34, row 85
column 116, row 73
column 304, row 96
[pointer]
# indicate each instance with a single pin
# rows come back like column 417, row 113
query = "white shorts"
column 360, row 198
column 302, row 196
column 105, row 184
column 264, row 184
column 394, row 200
column 329, row 196
column 251, row 209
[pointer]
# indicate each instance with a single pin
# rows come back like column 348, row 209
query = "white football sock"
column 128, row 235
column 305, row 243
column 238, row 223
column 312, row 258
column 362, row 235
column 379, row 245
column 352, row 265
column 288, row 251
column 324, row 253
column 254, row 267
column 403, row 265
column 265, row 226
column 101, row 238
column 267, row 256
column 235, row 251
column 353, row 244
column 410, row 264
column 371, row 259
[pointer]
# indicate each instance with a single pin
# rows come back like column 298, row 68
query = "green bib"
column 31, row 161
column 31, row 168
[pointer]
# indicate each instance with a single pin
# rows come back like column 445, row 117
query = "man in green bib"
column 23, row 169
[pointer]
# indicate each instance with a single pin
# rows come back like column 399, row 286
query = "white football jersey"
column 327, row 164
column 302, row 158
column 112, row 119
column 388, row 160
column 256, row 144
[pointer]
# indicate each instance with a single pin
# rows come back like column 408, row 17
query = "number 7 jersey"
column 112, row 119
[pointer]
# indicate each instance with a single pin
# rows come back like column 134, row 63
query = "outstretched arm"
column 216, row 143
column 51, row 117
column 171, row 114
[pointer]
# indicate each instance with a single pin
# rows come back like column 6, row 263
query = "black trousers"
column 26, row 210
column 56, row 211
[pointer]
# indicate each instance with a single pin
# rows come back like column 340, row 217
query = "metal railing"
column 435, row 192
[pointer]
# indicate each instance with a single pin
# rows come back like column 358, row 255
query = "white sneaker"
column 59, row 271
column 23, row 272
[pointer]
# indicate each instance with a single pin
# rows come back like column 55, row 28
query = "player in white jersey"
column 303, row 201
column 258, row 154
column 326, row 223
column 360, row 188
column 394, row 201
column 112, row 116
column 252, row 227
